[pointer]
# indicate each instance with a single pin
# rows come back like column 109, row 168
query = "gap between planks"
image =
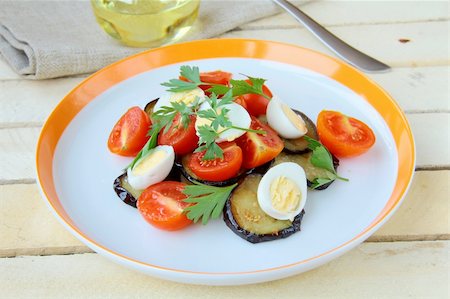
column 73, row 250
column 297, row 26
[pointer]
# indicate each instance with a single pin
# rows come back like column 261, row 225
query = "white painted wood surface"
column 373, row 270
column 407, row 257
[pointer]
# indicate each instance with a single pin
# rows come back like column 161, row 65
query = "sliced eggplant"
column 245, row 218
column 126, row 193
column 150, row 107
column 300, row 145
column 312, row 172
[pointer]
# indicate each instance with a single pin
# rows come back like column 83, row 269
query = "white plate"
column 336, row 220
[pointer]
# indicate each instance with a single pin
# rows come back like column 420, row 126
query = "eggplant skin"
column 150, row 107
column 255, row 238
column 123, row 193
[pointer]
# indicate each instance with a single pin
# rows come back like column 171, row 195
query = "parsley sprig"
column 163, row 118
column 192, row 74
column 208, row 201
column 220, row 123
column 322, row 158
column 238, row 87
column 151, row 144
column 165, row 115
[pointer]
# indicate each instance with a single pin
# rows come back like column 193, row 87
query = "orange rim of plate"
column 109, row 76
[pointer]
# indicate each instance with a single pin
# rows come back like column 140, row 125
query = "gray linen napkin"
column 48, row 39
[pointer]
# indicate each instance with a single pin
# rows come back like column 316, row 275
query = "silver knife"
column 343, row 50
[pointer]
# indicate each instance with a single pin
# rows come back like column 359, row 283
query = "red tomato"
column 241, row 102
column 162, row 205
column 258, row 149
column 344, row 136
column 129, row 134
column 183, row 140
column 218, row 169
column 215, row 77
column 255, row 104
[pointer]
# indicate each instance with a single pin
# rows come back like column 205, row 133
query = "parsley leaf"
column 177, row 85
column 208, row 201
column 151, row 143
column 207, row 142
column 190, row 73
column 219, row 89
column 322, row 158
column 318, row 182
column 240, row 87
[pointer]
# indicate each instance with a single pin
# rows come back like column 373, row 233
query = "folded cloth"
column 48, row 39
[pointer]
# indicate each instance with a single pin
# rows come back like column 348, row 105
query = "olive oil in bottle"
column 146, row 23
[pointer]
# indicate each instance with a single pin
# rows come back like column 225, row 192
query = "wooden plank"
column 417, row 89
column 17, row 149
column 384, row 270
column 431, row 134
column 27, row 103
column 27, row 226
column 424, row 213
column 427, row 42
column 339, row 13
column 34, row 231
column 336, row 13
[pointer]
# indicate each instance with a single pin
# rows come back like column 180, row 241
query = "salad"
column 214, row 145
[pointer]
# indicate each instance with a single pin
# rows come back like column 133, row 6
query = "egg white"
column 279, row 121
column 156, row 173
column 291, row 171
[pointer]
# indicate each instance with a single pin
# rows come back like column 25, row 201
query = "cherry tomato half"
column 184, row 140
column 129, row 134
column 215, row 77
column 218, row 169
column 162, row 205
column 344, row 136
column 258, row 149
column 256, row 104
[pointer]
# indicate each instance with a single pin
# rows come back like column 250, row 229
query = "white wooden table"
column 407, row 257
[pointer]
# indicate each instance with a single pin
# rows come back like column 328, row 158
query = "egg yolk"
column 296, row 120
column 284, row 194
column 187, row 97
column 149, row 162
